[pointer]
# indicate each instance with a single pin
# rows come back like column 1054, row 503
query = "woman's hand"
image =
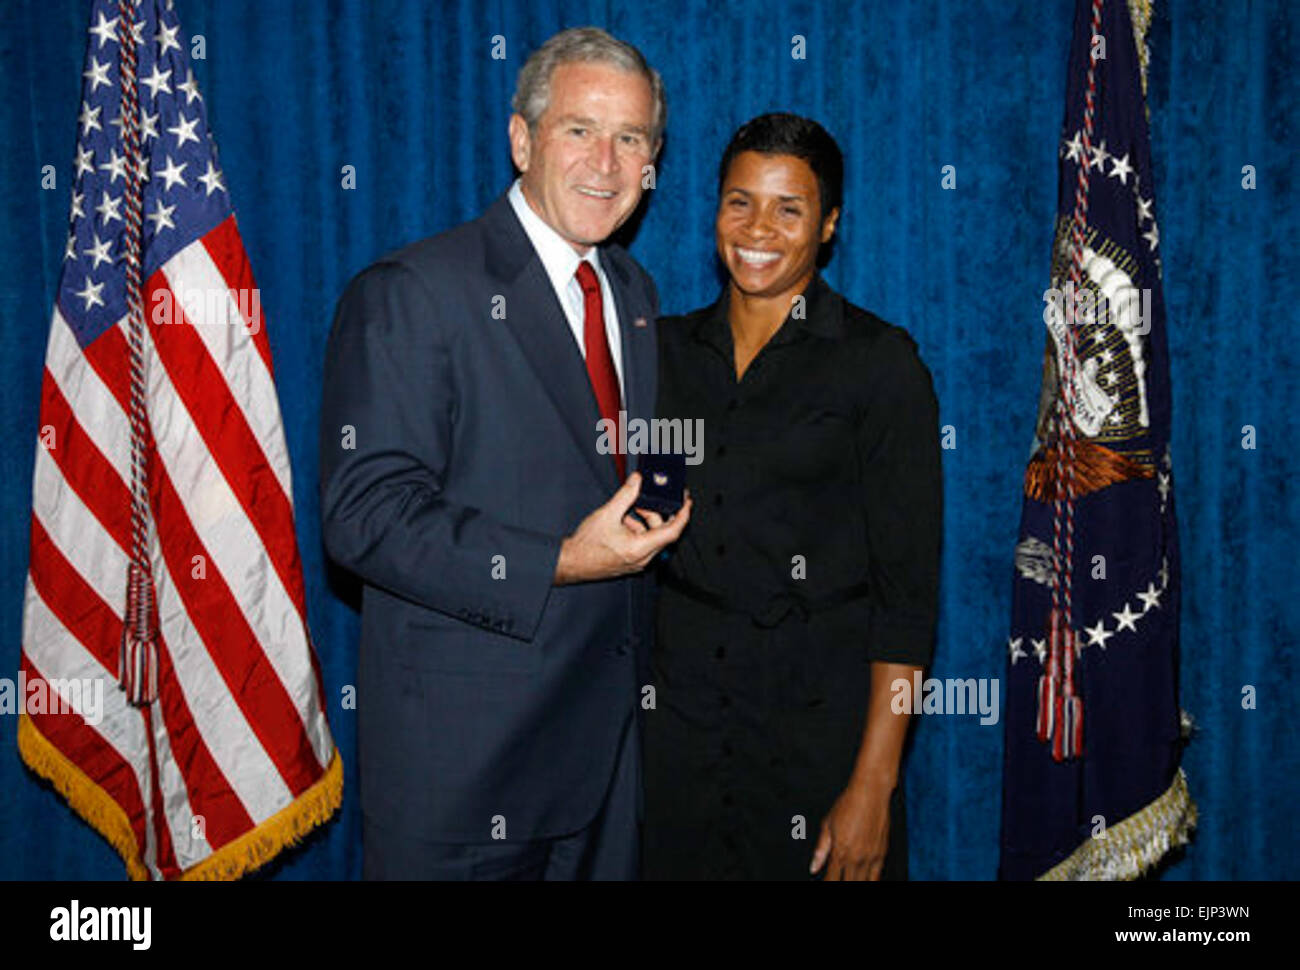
column 855, row 834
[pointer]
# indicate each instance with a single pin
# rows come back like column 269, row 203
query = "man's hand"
column 855, row 834
column 609, row 542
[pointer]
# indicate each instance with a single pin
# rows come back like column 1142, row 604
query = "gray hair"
column 583, row 44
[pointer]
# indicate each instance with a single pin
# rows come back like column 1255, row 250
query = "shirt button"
column 720, row 652
column 722, row 450
column 721, row 550
column 724, row 701
column 717, row 501
column 727, row 799
column 726, row 750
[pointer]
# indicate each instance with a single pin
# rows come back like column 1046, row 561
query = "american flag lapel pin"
column 639, row 323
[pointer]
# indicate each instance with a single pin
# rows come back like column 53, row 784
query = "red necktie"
column 600, row 364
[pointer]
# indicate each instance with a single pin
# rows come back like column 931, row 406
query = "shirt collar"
column 558, row 258
column 823, row 316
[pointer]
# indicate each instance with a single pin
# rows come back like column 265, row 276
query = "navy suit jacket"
column 458, row 448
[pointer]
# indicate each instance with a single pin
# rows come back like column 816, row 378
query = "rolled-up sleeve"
column 902, row 478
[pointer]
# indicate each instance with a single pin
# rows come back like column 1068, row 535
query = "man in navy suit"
column 505, row 625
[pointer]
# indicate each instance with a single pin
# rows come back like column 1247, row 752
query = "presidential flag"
column 169, row 687
column 1093, row 733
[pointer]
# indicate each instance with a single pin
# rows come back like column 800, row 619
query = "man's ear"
column 520, row 142
column 829, row 223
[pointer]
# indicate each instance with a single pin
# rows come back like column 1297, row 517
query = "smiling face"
column 769, row 225
column 582, row 167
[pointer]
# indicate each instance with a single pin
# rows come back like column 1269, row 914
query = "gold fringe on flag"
column 1134, row 845
column 85, row 797
column 250, row 851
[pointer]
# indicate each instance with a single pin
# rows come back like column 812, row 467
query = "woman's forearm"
column 885, row 731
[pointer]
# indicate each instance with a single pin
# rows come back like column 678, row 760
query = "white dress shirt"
column 561, row 264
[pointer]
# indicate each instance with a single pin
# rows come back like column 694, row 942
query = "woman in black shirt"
column 806, row 584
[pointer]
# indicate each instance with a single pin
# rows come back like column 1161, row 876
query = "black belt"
column 775, row 609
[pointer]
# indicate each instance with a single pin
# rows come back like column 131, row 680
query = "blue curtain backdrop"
column 408, row 93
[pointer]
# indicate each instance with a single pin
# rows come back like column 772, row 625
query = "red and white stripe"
column 238, row 731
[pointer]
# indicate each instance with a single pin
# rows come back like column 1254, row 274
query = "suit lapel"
column 637, row 334
column 537, row 321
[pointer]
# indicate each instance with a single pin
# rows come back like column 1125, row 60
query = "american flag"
column 223, row 754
